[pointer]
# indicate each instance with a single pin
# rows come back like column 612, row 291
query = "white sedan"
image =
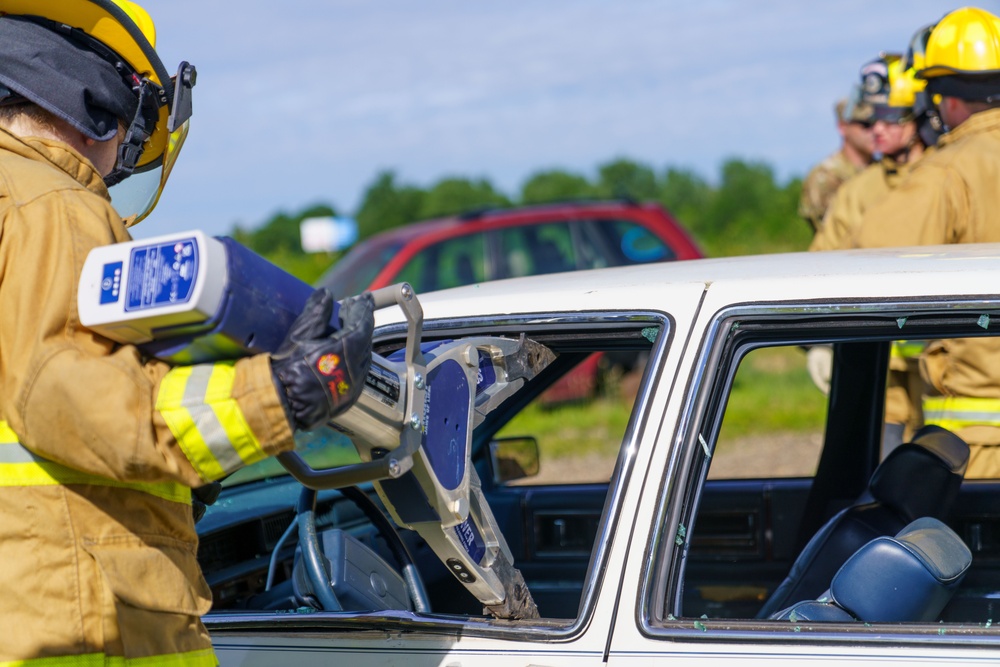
column 724, row 496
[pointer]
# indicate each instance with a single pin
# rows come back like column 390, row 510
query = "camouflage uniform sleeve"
column 812, row 204
column 818, row 190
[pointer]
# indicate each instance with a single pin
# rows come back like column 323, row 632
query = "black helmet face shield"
column 136, row 192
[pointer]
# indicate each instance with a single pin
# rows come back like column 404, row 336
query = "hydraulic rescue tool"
column 188, row 298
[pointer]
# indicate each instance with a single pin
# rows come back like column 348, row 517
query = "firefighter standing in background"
column 99, row 446
column 854, row 154
column 951, row 196
column 905, row 125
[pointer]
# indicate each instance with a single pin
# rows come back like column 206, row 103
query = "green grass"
column 772, row 391
column 573, row 429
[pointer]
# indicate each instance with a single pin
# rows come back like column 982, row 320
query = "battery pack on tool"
column 189, row 298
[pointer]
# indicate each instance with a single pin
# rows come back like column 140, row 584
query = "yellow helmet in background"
column 903, row 85
column 122, row 33
column 964, row 42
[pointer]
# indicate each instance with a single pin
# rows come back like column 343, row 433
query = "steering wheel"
column 314, row 561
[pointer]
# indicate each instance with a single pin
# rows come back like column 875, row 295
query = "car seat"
column 917, row 479
column 906, row 578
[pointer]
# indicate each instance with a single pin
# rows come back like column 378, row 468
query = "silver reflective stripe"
column 206, row 421
column 15, row 452
column 957, row 415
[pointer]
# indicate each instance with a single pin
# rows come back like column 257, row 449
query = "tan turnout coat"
column 99, row 447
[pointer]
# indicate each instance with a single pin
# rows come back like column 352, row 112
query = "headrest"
column 909, row 577
column 922, row 477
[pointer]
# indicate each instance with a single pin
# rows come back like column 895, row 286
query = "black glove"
column 321, row 374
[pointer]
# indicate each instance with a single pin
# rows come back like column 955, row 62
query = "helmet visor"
column 893, row 115
column 136, row 196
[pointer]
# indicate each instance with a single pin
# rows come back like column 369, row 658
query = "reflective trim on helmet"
column 21, row 467
column 197, row 404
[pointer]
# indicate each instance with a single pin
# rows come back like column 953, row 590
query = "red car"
column 508, row 243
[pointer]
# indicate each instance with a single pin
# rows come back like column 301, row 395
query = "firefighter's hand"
column 320, row 374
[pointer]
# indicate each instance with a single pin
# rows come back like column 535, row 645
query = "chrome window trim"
column 685, row 446
column 236, row 624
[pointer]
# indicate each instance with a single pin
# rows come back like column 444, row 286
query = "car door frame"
column 642, row 635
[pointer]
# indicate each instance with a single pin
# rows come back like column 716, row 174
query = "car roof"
column 946, row 271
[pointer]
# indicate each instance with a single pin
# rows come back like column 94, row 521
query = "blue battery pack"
column 190, row 299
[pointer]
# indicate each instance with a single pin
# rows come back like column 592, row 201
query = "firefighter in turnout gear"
column 951, row 196
column 891, row 89
column 100, row 447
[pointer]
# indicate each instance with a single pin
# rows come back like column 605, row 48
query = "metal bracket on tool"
column 397, row 461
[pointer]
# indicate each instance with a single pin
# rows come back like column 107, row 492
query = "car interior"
column 780, row 531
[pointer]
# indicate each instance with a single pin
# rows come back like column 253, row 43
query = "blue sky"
column 305, row 102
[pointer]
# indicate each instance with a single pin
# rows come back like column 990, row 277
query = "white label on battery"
column 161, row 274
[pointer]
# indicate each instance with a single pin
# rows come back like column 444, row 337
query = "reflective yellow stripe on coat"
column 954, row 413
column 205, row 658
column 197, row 404
column 20, row 467
column 907, row 349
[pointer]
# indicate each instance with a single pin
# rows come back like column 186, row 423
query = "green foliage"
column 386, row 205
column 455, row 195
column 625, row 179
column 280, row 234
column 555, row 185
column 773, row 392
column 748, row 212
column 570, row 430
column 307, row 267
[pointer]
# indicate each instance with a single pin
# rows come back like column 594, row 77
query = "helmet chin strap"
column 136, row 135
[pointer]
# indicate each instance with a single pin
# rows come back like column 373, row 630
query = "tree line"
column 746, row 211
